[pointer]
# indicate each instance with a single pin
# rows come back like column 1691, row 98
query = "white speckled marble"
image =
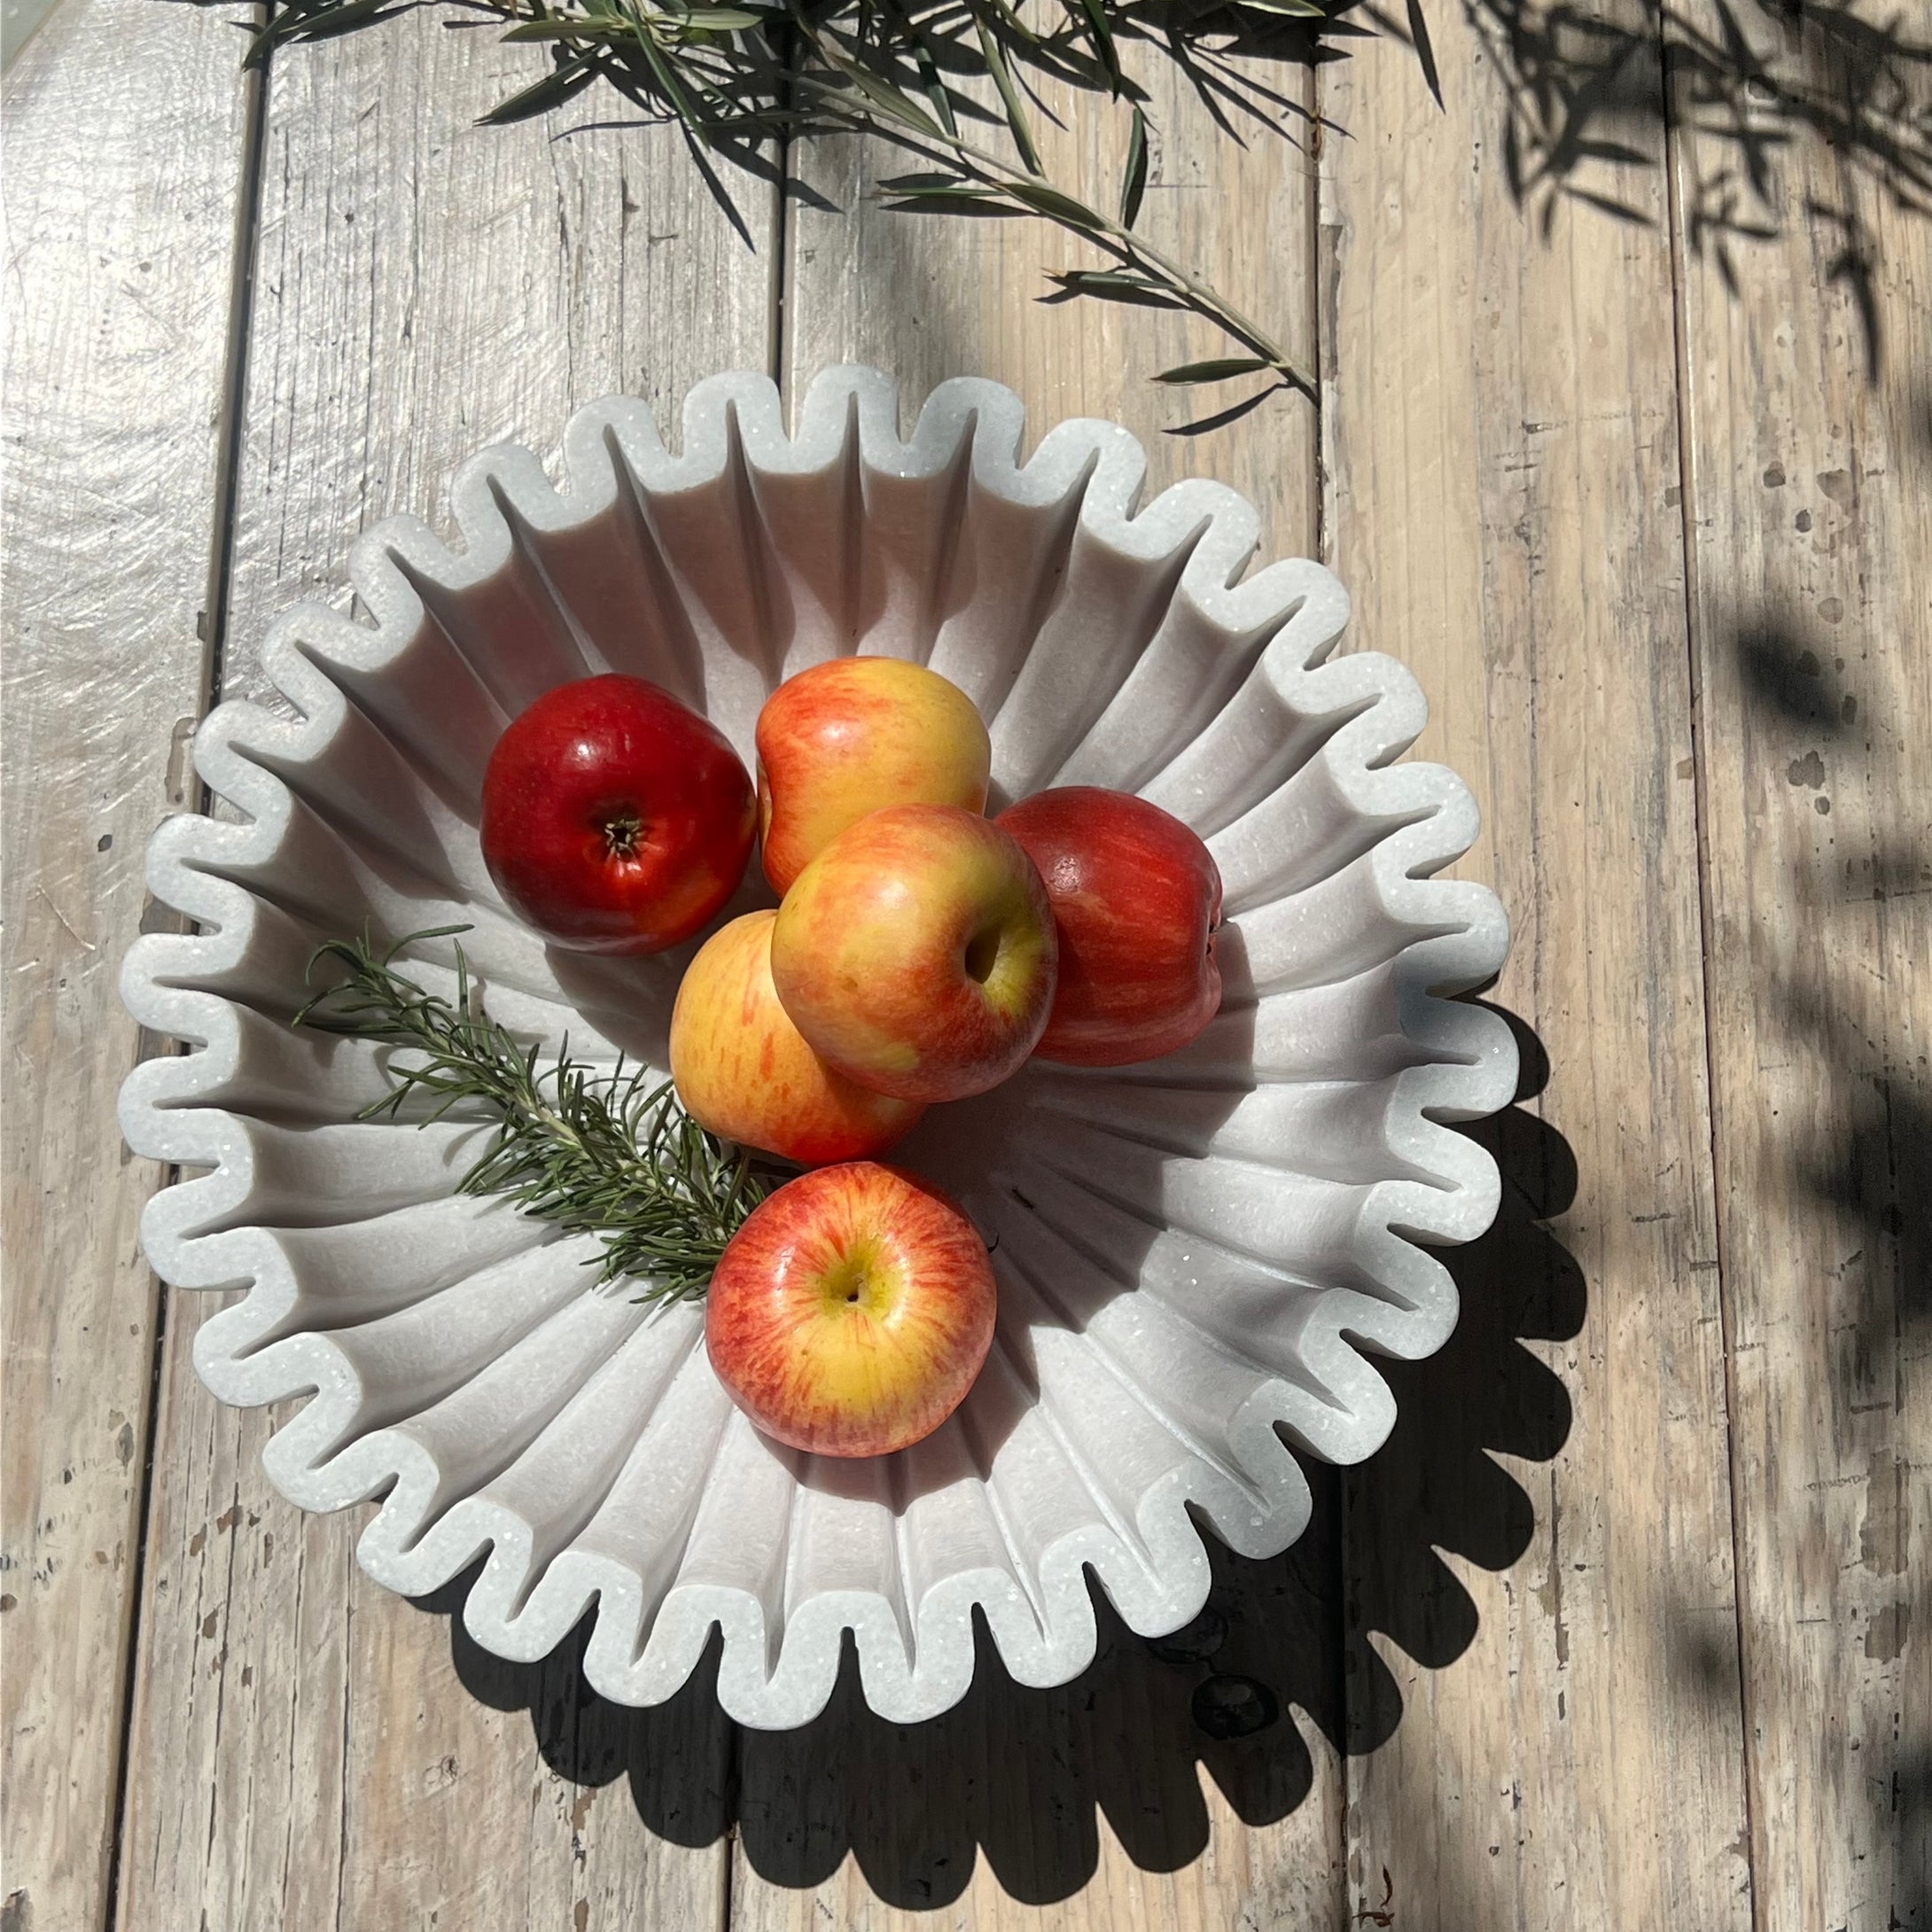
column 1197, row 1257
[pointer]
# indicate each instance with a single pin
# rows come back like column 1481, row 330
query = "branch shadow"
column 1877, row 1176
column 1747, row 85
column 1752, row 86
column 1853, row 1162
column 1023, row 1776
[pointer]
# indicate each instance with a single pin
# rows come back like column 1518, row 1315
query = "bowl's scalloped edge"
column 184, row 986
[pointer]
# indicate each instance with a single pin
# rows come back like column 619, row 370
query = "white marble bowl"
column 1192, row 1254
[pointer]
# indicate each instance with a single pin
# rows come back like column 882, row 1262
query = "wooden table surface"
column 1623, row 443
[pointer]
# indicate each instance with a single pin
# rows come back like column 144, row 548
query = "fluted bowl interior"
column 1195, row 1256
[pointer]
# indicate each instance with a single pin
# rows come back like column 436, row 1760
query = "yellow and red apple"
column 744, row 1071
column 1136, row 898
column 851, row 1313
column 855, row 735
column 915, row 954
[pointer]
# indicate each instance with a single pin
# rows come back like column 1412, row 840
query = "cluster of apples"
column 920, row 953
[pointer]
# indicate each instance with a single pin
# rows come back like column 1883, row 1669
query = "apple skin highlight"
column 1137, row 901
column 917, row 952
column 616, row 820
column 854, row 735
column 744, row 1071
column 851, row 1312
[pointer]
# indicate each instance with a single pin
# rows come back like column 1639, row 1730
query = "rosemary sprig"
column 601, row 1154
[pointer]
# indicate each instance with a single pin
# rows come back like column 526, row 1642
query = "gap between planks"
column 1667, row 82
column 214, row 643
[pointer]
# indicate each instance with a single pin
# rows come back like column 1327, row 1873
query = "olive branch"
column 735, row 78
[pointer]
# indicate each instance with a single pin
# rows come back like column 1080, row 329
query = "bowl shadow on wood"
column 1021, row 1774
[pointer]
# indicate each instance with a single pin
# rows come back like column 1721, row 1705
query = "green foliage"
column 735, row 79
column 597, row 1153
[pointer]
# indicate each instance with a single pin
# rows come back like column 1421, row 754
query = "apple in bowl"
column 854, row 735
column 744, row 1071
column 615, row 819
column 916, row 954
column 1136, row 898
column 851, row 1313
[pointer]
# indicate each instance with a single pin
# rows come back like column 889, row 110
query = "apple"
column 615, row 819
column 915, row 952
column 854, row 735
column 744, row 1071
column 849, row 1313
column 1136, row 898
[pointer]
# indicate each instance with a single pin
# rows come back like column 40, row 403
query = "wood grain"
column 1542, row 1641
column 926, row 297
column 1507, row 1650
column 124, row 147
column 308, row 1750
column 1104, row 1803
column 1810, row 446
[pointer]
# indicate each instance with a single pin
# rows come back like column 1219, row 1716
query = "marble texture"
column 1197, row 1258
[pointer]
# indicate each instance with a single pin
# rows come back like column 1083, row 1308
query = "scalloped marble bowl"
column 1191, row 1253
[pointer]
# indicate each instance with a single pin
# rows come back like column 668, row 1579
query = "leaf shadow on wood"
column 1588, row 96
column 1859, row 1158
column 1748, row 86
column 1021, row 1776
column 1910, row 1798
column 1745, row 83
column 1879, row 1173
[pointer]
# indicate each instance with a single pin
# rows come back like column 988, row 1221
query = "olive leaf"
column 1224, row 369
column 568, row 80
column 736, row 75
column 1133, row 181
column 1112, row 285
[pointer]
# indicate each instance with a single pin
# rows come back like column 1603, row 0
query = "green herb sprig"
column 738, row 79
column 601, row 1154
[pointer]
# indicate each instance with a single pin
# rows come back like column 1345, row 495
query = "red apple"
column 615, row 819
column 915, row 952
column 854, row 735
column 744, row 1071
column 1136, row 898
column 851, row 1313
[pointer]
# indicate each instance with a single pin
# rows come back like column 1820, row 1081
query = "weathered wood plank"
column 124, row 156
column 1809, row 443
column 309, row 1751
column 1102, row 1803
column 1500, row 436
column 925, row 298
